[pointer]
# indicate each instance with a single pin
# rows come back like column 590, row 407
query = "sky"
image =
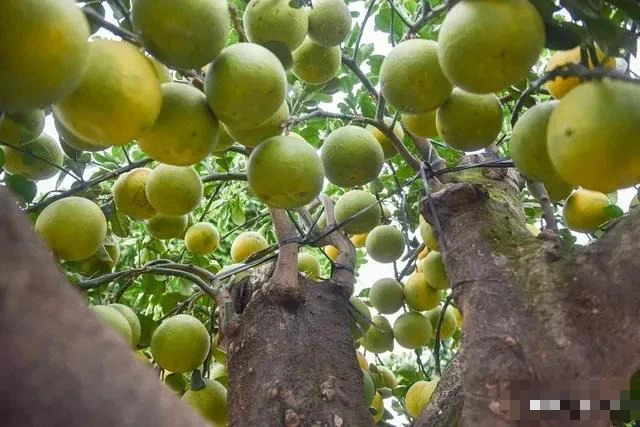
column 373, row 270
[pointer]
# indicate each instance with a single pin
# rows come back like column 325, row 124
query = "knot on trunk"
column 291, row 419
column 452, row 199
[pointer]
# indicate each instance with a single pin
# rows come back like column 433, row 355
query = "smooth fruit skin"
column 21, row 128
column 129, row 194
column 74, row 141
column 210, row 402
column 386, row 295
column 254, row 136
column 379, row 337
column 363, row 207
column 388, row 148
column 174, row 190
column 411, row 78
column 412, row 330
column 332, row 252
column 449, row 324
column 73, row 228
column 560, row 86
column 434, row 271
column 285, row 172
column 315, row 64
column 360, row 321
column 186, row 130
column 180, row 344
column 593, row 136
column 369, row 388
column 115, row 320
column 423, row 124
column 469, row 121
column 103, row 260
column 246, row 244
column 329, row 22
column 275, row 21
column 528, row 144
column 351, row 156
column 419, row 295
column 427, row 235
column 118, row 98
column 485, row 46
column 26, row 162
column 164, row 227
column 584, row 210
column 308, row 265
column 385, row 244
column 185, row 34
column 245, row 85
column 202, row 238
column 37, row 77
column 132, row 320
column 359, row 240
column 418, row 395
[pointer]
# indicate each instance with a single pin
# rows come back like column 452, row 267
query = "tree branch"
column 231, row 176
column 343, row 269
column 540, row 194
column 353, row 66
column 367, row 14
column 94, row 17
column 81, row 186
column 285, row 281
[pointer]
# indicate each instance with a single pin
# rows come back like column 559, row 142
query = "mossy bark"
column 533, row 310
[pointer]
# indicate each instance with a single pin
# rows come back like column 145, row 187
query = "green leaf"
column 1, row 158
column 21, row 187
column 613, row 211
column 119, row 223
column 561, row 35
column 147, row 327
column 237, row 215
column 568, row 239
column 630, row 7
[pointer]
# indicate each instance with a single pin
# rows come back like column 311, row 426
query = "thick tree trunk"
column 295, row 365
column 59, row 365
column 534, row 311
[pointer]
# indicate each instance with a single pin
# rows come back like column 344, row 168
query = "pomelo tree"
column 205, row 181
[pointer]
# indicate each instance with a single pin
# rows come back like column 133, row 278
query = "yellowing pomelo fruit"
column 362, row 361
column 329, row 22
column 359, row 240
column 246, row 244
column 275, row 21
column 245, row 85
column 308, row 265
column 210, row 402
column 129, row 194
column 254, row 136
column 315, row 64
column 351, row 156
column 560, row 86
column 186, row 130
column 35, row 160
column 119, row 96
column 285, row 172
column 21, row 128
column 434, row 271
column 411, row 78
column 114, row 320
column 180, row 343
column 449, row 324
column 360, row 318
column 458, row 316
column 44, row 49
column 386, row 295
column 379, row 337
column 593, row 133
column 360, row 208
column 422, row 124
column 202, row 238
column 103, row 260
column 387, row 146
column 469, row 121
column 486, row 45
column 584, row 210
column 132, row 319
column 412, row 330
column 73, row 228
column 74, row 141
column 385, row 244
column 427, row 235
column 163, row 226
column 418, row 396
column 186, row 34
column 419, row 295
column 377, row 408
column 173, row 190
column 532, row 229
column 369, row 387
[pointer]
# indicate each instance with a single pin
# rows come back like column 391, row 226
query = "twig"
column 538, row 191
column 353, row 66
column 237, row 22
column 95, row 17
column 436, row 347
column 403, row 18
column 22, row 149
column 367, row 14
column 232, row 176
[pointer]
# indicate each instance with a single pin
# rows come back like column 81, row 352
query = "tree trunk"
column 295, row 365
column 60, row 365
column 538, row 317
